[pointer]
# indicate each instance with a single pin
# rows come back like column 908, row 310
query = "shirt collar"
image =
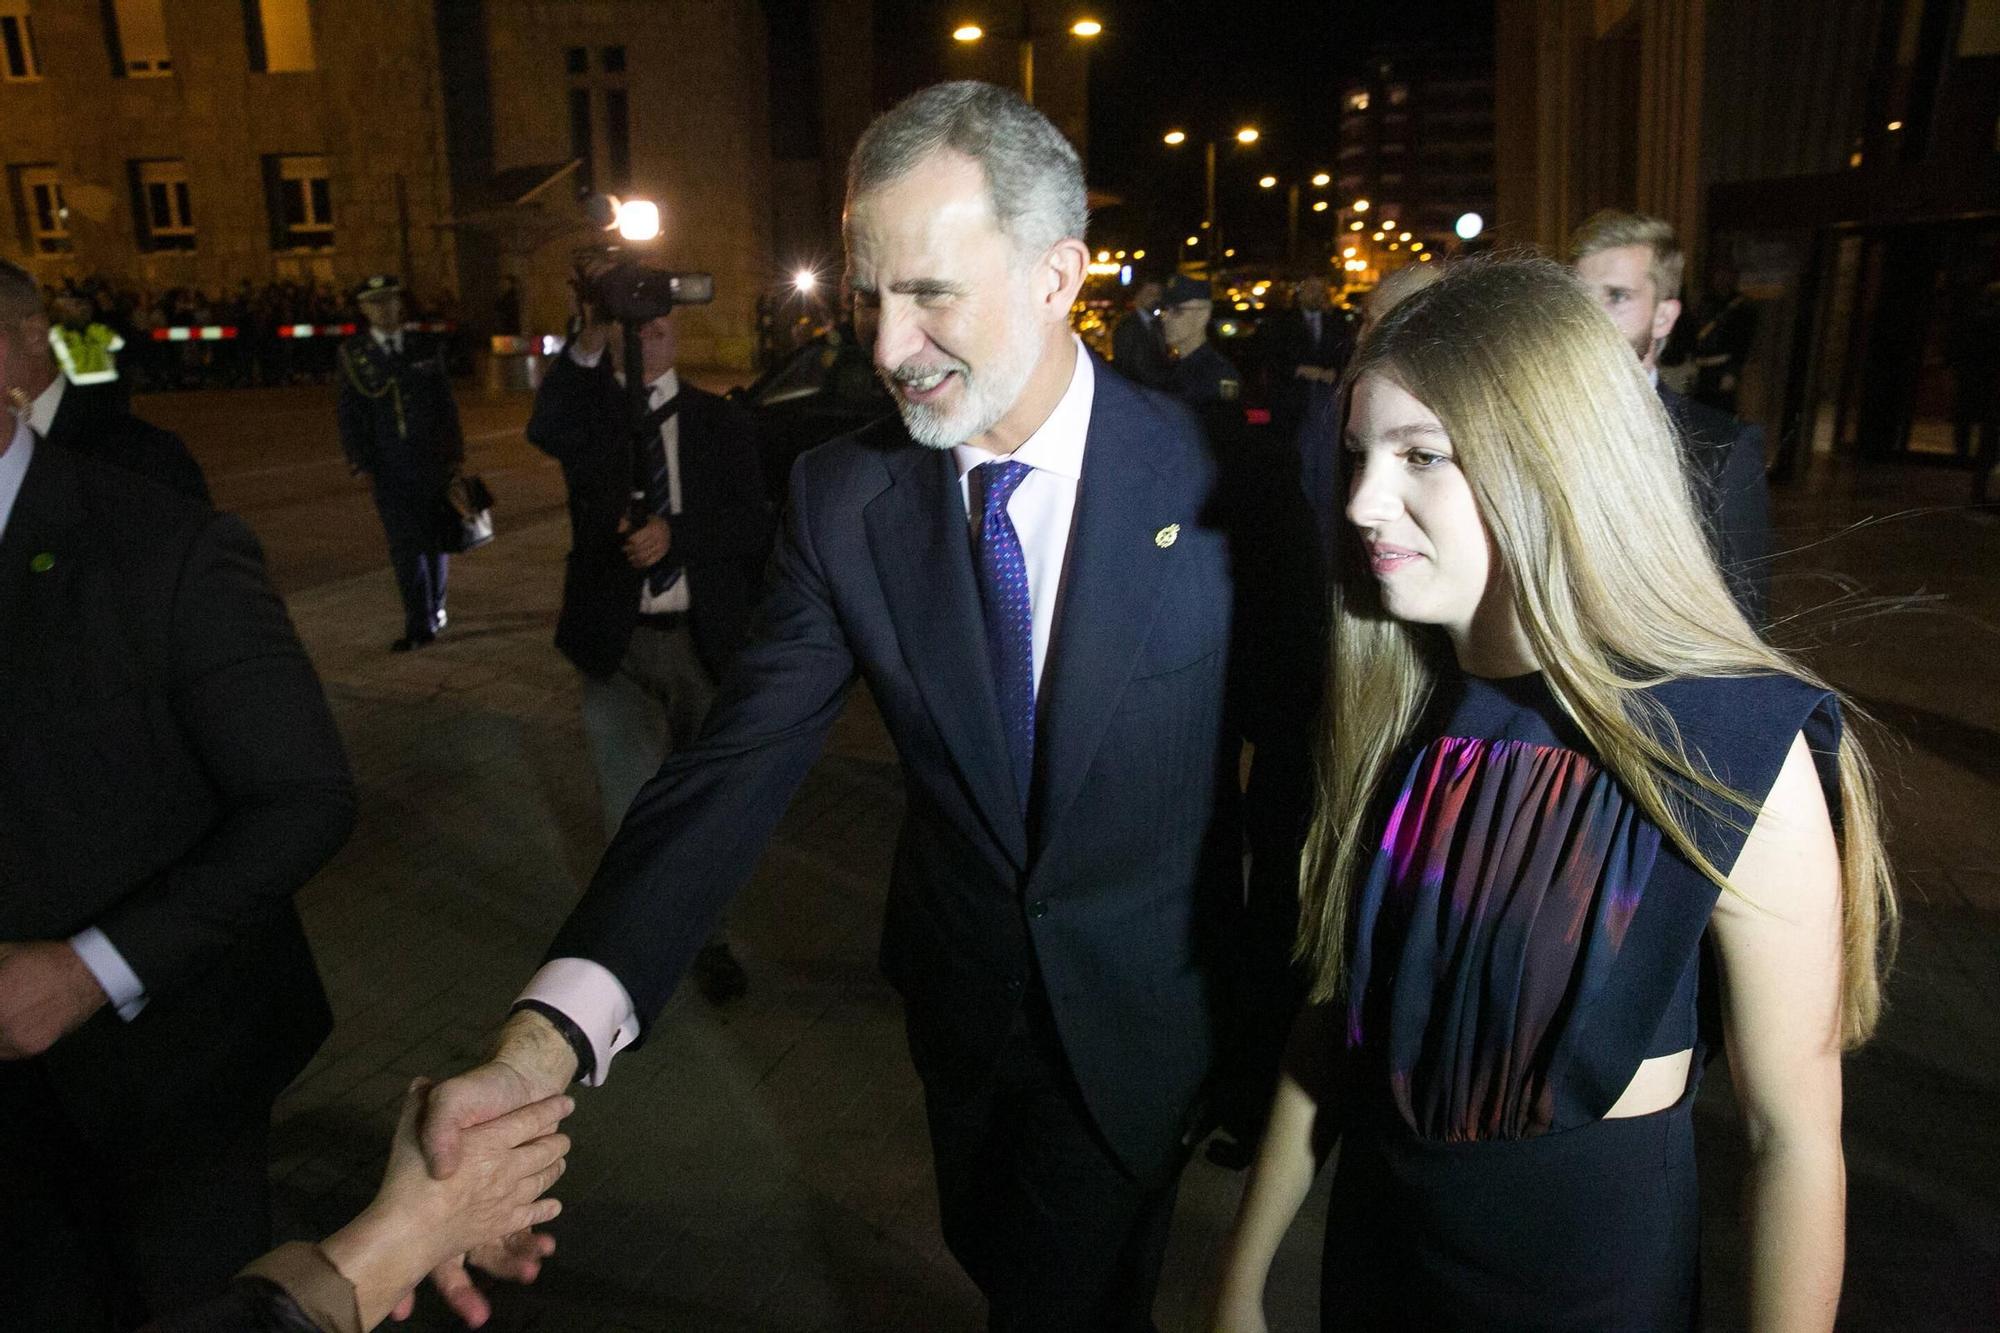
column 665, row 387
column 389, row 339
column 1057, row 444
column 42, row 412
column 14, row 469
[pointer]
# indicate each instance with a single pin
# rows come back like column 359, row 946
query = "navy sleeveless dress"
column 1523, row 938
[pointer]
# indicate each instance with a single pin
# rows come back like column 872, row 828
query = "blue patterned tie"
column 1010, row 619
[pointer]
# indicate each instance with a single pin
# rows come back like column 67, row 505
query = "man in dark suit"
column 1070, row 617
column 1312, row 344
column 652, row 613
column 170, row 776
column 399, row 428
column 1138, row 345
column 1632, row 264
column 91, row 418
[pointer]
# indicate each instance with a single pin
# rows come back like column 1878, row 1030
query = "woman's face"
column 1426, row 543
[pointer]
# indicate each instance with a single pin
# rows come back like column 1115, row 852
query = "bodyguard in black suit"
column 1138, row 345
column 399, row 428
column 170, row 776
column 1070, row 619
column 91, row 418
column 1632, row 264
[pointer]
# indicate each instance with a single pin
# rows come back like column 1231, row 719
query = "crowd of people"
column 1414, row 778
column 268, row 345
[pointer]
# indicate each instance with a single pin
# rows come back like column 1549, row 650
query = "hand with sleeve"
column 46, row 993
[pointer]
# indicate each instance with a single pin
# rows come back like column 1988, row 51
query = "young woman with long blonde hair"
column 1577, row 822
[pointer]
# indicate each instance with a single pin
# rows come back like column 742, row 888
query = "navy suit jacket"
column 1190, row 619
column 1725, row 457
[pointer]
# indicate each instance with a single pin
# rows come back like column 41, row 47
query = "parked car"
column 825, row 388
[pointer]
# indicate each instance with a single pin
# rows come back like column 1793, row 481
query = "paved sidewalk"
column 765, row 1167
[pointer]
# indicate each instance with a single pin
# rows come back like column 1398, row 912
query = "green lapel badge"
column 42, row 563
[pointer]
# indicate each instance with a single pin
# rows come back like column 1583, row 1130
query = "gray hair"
column 1033, row 175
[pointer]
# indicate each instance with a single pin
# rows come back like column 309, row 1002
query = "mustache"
column 911, row 371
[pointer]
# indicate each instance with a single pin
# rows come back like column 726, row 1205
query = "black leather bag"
column 465, row 520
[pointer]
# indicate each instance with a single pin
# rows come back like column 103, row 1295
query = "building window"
column 17, row 43
column 280, row 36
column 576, row 59
column 301, row 194
column 618, row 137
column 611, row 59
column 1358, row 100
column 1399, row 93
column 579, row 135
column 161, row 202
column 37, row 192
column 137, row 30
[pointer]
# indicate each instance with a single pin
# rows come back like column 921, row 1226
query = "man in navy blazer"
column 1071, row 613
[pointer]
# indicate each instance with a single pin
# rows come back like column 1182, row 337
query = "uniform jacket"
column 397, row 416
column 721, row 537
column 1190, row 619
column 170, row 774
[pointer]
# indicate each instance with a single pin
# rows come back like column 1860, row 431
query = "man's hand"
column 530, row 1062
column 46, row 993
column 649, row 545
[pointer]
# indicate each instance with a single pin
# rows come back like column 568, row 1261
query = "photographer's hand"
column 649, row 545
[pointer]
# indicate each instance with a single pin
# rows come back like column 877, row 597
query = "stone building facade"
column 206, row 142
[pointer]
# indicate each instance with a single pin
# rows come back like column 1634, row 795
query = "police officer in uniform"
column 1202, row 377
column 399, row 428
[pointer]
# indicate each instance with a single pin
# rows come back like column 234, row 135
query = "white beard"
column 985, row 396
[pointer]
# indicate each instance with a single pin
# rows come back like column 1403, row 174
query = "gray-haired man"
column 1047, row 584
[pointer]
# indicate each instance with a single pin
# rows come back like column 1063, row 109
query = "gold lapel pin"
column 1167, row 536
column 42, row 563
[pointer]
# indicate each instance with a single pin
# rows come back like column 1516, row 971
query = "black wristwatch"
column 586, row 1059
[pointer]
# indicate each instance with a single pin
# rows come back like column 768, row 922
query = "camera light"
column 805, row 280
column 638, row 219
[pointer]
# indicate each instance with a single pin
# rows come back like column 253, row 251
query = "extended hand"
column 649, row 545
column 46, row 993
column 531, row 1062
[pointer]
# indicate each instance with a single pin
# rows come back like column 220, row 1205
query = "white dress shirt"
column 42, row 412
column 99, row 954
column 676, row 596
column 1043, row 509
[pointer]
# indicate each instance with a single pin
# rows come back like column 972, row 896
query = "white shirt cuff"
column 589, row 362
column 113, row 973
column 592, row 998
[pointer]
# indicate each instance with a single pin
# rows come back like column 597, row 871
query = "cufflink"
column 1167, row 536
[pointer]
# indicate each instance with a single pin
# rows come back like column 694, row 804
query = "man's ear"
column 1059, row 277
column 1665, row 315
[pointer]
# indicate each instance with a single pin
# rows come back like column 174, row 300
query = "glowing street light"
column 1175, row 138
column 1361, row 205
column 1322, row 180
column 1319, row 205
column 1086, row 28
column 1266, row 182
column 1194, row 240
column 967, row 32
column 804, row 281
column 1104, row 256
column 1403, row 236
column 1246, row 135
column 1354, row 226
column 1138, row 254
column 1468, row 226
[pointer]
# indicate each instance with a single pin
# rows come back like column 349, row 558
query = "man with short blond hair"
column 1632, row 264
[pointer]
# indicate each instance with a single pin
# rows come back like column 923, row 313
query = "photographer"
column 669, row 531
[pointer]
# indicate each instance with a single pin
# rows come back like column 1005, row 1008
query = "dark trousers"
column 105, row 1235
column 409, row 511
column 1036, row 1208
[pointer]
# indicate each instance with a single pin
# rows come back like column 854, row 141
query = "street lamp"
column 1248, row 134
column 1083, row 28
column 1361, row 205
column 1266, row 182
column 1468, row 226
column 1322, row 180
column 1175, row 138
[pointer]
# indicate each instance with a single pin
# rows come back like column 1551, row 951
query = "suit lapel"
column 918, row 535
column 1111, row 589
column 39, row 556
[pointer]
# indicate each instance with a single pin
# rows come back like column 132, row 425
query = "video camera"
column 632, row 293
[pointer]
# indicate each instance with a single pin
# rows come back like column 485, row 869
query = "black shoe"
column 411, row 644
column 718, row 974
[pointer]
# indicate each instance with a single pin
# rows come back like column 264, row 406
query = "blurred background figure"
column 1138, row 345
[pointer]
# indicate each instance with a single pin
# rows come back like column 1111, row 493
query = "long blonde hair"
column 1577, row 476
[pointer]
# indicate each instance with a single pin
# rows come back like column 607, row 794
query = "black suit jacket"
column 721, row 537
column 1139, row 352
column 169, row 773
column 1189, row 620
column 1296, row 345
column 1726, row 459
column 93, row 419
